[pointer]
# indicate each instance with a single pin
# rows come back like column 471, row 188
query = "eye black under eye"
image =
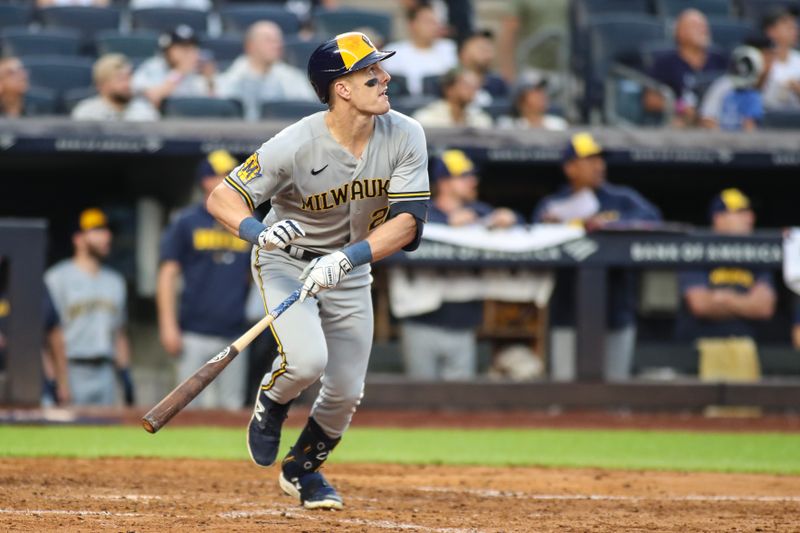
column 372, row 82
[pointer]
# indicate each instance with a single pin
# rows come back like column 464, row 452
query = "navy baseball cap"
column 729, row 201
column 581, row 145
column 181, row 34
column 216, row 163
column 451, row 163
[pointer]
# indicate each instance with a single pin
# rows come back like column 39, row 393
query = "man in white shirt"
column 260, row 75
column 177, row 72
column 424, row 53
column 457, row 105
column 114, row 101
column 782, row 90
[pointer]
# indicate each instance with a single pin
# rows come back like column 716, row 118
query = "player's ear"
column 342, row 87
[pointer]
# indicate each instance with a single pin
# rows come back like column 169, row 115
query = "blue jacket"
column 628, row 205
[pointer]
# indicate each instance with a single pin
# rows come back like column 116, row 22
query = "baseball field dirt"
column 193, row 495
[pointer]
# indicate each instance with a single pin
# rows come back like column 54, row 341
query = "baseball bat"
column 184, row 393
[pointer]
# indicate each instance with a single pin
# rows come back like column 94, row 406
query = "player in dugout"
column 720, row 307
column 215, row 267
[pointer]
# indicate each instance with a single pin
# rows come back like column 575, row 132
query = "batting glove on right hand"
column 280, row 234
column 324, row 273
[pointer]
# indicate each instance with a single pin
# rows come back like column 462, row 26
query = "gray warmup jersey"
column 336, row 198
column 91, row 308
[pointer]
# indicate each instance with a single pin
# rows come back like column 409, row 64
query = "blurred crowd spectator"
column 734, row 102
column 531, row 106
column 180, row 70
column 115, row 99
column 476, row 53
column 425, row 53
column 457, row 105
column 782, row 89
column 13, row 87
column 260, row 75
column 687, row 70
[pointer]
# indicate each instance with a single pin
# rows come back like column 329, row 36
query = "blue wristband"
column 359, row 253
column 250, row 229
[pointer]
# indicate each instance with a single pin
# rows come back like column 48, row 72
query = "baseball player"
column 348, row 186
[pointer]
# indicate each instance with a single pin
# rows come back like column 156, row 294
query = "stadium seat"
column 592, row 8
column 225, row 48
column 201, row 108
column 239, row 18
column 136, row 46
column 754, row 10
column 72, row 97
column 21, row 41
column 163, row 19
column 86, row 19
column 296, row 52
column 59, row 73
column 728, row 33
column 330, row 22
column 498, row 108
column 398, row 86
column 290, row 109
column 431, row 85
column 710, row 8
column 782, row 120
column 619, row 39
column 615, row 39
column 408, row 105
column 40, row 101
column 14, row 15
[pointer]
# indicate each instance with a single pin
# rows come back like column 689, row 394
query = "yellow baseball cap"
column 581, row 145
column 92, row 218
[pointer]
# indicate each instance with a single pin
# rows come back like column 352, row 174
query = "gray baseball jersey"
column 336, row 198
column 91, row 308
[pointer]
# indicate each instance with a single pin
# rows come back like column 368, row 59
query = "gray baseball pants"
column 327, row 337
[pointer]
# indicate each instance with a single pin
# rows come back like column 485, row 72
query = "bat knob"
column 148, row 426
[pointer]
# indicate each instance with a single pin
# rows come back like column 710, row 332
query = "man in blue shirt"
column 589, row 200
column 442, row 344
column 688, row 70
column 720, row 306
column 216, row 276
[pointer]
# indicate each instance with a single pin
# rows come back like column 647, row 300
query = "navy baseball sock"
column 309, row 452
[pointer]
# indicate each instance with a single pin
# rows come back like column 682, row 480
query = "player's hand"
column 280, row 234
column 324, row 273
column 171, row 339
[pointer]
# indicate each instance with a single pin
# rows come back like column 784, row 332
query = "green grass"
column 661, row 450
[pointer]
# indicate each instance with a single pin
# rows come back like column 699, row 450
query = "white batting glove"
column 280, row 234
column 324, row 273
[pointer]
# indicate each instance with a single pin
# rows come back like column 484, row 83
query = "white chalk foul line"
column 486, row 493
column 380, row 524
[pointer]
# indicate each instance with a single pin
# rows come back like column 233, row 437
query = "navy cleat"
column 264, row 430
column 312, row 490
column 300, row 476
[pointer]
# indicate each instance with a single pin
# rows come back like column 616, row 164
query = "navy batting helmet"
column 341, row 55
